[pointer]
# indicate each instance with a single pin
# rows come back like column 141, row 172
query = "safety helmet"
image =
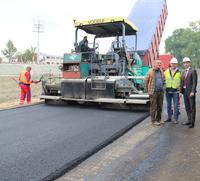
column 186, row 59
column 173, row 60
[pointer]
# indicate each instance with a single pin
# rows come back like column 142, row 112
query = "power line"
column 38, row 28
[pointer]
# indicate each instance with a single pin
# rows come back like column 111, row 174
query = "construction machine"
column 111, row 79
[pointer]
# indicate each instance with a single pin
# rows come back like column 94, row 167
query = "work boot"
column 161, row 122
column 191, row 126
column 186, row 123
column 168, row 120
column 21, row 103
column 156, row 123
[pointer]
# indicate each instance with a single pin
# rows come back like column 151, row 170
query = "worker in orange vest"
column 24, row 83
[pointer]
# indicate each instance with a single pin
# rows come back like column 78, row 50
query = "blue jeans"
column 175, row 112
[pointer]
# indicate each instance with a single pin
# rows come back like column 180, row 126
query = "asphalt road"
column 146, row 153
column 39, row 141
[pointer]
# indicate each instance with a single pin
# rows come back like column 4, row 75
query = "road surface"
column 40, row 142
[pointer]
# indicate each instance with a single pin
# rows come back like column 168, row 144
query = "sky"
column 17, row 18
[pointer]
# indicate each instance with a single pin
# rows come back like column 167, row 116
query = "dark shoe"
column 168, row 120
column 186, row 123
column 191, row 126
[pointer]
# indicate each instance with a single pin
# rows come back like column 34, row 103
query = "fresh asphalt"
column 41, row 142
column 170, row 152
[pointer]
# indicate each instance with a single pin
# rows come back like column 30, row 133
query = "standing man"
column 188, row 89
column 154, row 86
column 25, row 82
column 172, row 82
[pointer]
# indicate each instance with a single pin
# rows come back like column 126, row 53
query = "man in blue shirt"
column 154, row 86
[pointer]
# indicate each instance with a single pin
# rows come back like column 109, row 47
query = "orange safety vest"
column 23, row 77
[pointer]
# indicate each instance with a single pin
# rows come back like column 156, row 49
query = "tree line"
column 185, row 42
column 10, row 52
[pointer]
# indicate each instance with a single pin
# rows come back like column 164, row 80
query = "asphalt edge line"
column 22, row 106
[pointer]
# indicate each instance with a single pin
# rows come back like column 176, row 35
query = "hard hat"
column 173, row 60
column 186, row 59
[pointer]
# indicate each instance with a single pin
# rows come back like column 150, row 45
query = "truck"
column 111, row 79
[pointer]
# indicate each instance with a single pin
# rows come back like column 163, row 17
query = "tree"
column 185, row 42
column 27, row 56
column 34, row 55
column 9, row 51
column 19, row 57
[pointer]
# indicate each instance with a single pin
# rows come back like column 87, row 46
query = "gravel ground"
column 10, row 91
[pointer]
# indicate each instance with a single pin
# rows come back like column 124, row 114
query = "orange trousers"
column 25, row 94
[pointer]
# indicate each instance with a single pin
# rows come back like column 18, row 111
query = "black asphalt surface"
column 170, row 152
column 37, row 142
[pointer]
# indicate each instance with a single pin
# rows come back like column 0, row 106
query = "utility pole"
column 38, row 28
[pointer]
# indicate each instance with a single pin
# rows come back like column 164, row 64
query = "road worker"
column 24, row 83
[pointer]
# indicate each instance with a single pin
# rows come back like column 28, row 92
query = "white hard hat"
column 186, row 59
column 173, row 60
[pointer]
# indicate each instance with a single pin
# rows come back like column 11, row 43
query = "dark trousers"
column 190, row 107
column 156, row 104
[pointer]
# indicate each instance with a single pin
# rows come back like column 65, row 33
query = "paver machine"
column 105, row 79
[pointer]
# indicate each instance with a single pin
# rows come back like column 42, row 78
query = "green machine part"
column 72, row 58
column 77, row 59
column 84, row 69
column 137, row 69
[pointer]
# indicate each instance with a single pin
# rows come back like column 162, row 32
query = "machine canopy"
column 107, row 27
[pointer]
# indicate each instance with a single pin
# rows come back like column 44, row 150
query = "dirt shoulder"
column 10, row 92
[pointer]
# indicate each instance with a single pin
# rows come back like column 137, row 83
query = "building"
column 51, row 59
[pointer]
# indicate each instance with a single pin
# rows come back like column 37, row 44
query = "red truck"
column 165, row 60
